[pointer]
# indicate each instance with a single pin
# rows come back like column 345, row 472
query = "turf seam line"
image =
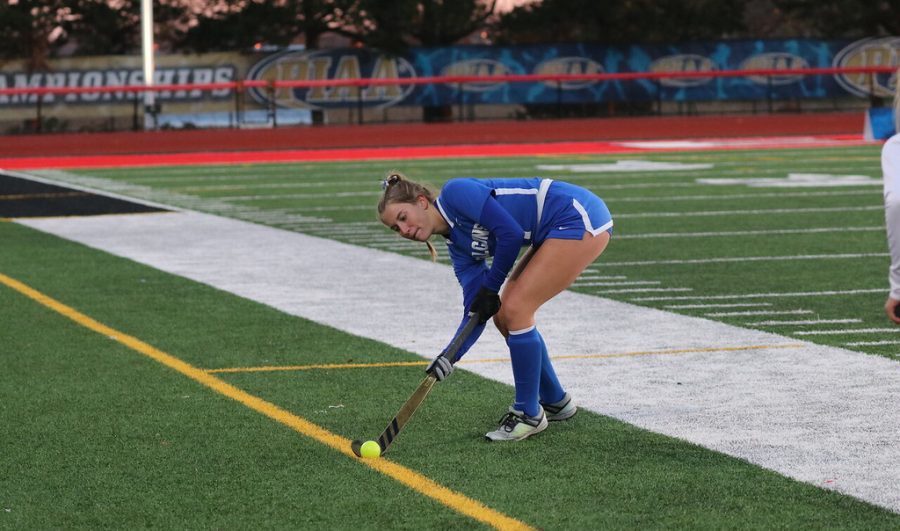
column 378, row 365
column 418, row 482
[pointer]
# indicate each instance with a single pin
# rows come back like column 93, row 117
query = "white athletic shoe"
column 516, row 425
column 562, row 410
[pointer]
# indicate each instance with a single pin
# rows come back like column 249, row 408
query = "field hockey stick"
column 412, row 404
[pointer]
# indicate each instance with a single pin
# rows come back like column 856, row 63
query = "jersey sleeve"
column 470, row 288
column 509, row 237
column 465, row 197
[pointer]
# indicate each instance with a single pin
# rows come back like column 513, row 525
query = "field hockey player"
column 566, row 228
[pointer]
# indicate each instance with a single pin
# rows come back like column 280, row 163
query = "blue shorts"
column 569, row 211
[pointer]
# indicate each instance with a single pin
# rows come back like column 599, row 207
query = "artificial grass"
column 102, row 437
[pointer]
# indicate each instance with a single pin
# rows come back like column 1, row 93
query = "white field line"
column 626, row 283
column 716, row 305
column 754, row 212
column 642, row 290
column 809, row 322
column 602, row 277
column 331, row 208
column 320, row 195
column 740, row 259
column 709, row 234
column 762, row 195
column 847, row 331
column 766, row 295
column 732, row 233
column 872, row 343
column 714, row 404
column 757, row 313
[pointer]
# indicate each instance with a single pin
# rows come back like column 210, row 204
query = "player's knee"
column 513, row 315
column 501, row 325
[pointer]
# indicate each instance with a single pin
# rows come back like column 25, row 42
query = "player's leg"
column 551, row 269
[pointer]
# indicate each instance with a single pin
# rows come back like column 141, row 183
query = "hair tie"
column 390, row 180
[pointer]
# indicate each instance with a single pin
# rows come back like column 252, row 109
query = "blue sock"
column 525, row 352
column 551, row 389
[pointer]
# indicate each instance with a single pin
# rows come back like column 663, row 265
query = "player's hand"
column 486, row 304
column 892, row 308
column 440, row 368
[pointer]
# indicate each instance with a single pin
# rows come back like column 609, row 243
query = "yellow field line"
column 406, row 476
column 46, row 195
column 499, row 360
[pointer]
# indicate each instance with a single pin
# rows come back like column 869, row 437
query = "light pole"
column 150, row 108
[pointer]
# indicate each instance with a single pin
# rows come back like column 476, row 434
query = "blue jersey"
column 497, row 217
column 470, row 243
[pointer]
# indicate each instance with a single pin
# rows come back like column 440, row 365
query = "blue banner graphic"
column 488, row 61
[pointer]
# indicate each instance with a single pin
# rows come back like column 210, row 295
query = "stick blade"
column 355, row 446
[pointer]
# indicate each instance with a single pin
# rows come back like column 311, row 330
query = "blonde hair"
column 399, row 189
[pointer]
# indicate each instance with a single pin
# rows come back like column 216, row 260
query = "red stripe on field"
column 420, row 152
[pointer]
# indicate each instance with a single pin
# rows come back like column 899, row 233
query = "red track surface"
column 381, row 141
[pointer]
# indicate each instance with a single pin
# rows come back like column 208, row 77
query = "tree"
column 844, row 18
column 38, row 29
column 26, row 28
column 619, row 22
column 272, row 22
column 395, row 25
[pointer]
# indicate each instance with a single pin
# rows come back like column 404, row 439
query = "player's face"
column 410, row 220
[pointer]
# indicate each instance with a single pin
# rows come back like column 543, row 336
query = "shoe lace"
column 509, row 421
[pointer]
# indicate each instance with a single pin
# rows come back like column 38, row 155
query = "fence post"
column 134, row 115
column 459, row 102
column 872, row 100
column 237, row 105
column 359, row 105
column 658, row 85
column 273, row 109
column 38, row 126
column 559, row 98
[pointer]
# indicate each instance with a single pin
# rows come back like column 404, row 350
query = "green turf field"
column 99, row 435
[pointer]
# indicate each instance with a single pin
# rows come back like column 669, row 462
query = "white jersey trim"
column 541, row 197
column 522, row 331
column 444, row 214
column 587, row 220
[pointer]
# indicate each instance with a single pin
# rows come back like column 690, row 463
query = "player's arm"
column 890, row 163
column 892, row 217
column 509, row 235
column 508, row 239
column 471, row 274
